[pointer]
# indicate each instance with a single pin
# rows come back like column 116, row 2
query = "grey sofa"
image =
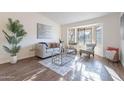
column 43, row 50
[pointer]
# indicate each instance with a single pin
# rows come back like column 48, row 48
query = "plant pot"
column 13, row 60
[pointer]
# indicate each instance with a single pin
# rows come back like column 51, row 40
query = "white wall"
column 111, row 29
column 29, row 20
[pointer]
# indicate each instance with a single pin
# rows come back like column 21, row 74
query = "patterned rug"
column 61, row 70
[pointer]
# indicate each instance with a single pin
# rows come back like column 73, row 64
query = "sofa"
column 44, row 50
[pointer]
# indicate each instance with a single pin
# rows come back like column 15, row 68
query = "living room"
column 47, row 32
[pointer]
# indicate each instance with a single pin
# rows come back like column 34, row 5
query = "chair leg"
column 89, row 55
column 93, row 55
column 80, row 53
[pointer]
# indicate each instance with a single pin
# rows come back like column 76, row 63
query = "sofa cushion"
column 49, row 50
column 52, row 50
column 53, row 45
column 56, row 49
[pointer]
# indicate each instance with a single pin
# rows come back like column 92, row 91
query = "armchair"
column 89, row 50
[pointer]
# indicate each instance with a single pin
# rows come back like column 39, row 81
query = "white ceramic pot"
column 13, row 59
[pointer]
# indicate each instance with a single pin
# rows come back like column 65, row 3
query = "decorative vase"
column 13, row 59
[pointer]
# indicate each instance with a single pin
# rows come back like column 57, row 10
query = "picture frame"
column 44, row 31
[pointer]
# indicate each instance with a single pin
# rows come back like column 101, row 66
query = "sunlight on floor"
column 113, row 74
column 34, row 75
column 84, row 73
column 89, row 75
column 76, row 58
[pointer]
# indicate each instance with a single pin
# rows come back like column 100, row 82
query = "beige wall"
column 111, row 29
column 29, row 20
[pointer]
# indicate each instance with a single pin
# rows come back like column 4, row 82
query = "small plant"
column 14, row 35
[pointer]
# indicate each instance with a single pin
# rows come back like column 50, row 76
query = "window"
column 84, row 35
column 81, row 35
column 71, row 36
column 88, row 35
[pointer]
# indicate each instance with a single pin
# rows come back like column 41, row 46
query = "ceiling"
column 71, row 17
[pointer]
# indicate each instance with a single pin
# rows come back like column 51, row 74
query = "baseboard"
column 19, row 59
column 100, row 56
column 26, row 57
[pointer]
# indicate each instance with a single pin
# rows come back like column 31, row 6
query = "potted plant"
column 14, row 35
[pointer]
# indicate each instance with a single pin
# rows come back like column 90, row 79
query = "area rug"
column 61, row 70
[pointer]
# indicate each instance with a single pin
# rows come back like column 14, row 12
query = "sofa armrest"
column 40, row 50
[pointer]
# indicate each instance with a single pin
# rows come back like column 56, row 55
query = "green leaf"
column 10, row 20
column 19, row 39
column 15, row 37
column 10, row 24
column 21, row 33
column 6, row 33
column 18, row 48
column 7, row 37
column 15, row 50
column 7, row 49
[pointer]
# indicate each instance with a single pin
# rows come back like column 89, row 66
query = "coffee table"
column 61, row 59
